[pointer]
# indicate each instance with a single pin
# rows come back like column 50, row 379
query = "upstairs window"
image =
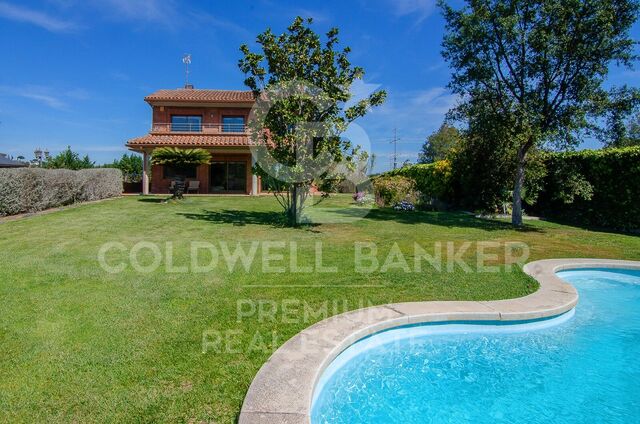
column 233, row 124
column 187, row 123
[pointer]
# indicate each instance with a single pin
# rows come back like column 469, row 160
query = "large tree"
column 302, row 85
column 68, row 159
column 130, row 165
column 536, row 67
column 624, row 133
column 439, row 144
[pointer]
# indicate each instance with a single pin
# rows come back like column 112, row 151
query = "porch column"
column 254, row 178
column 145, row 172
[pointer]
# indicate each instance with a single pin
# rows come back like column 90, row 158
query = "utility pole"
column 395, row 148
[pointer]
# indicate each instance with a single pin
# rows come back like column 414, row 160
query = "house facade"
column 214, row 120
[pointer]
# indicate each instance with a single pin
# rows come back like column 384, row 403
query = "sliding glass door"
column 228, row 177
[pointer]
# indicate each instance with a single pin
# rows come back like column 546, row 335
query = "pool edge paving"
column 282, row 390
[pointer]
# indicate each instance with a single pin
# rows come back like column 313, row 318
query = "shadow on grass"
column 591, row 227
column 238, row 217
column 275, row 219
column 444, row 219
column 153, row 199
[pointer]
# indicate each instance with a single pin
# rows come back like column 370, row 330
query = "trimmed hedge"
column 613, row 183
column 392, row 189
column 35, row 189
column 589, row 187
column 432, row 179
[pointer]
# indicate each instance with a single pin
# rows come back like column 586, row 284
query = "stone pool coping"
column 282, row 390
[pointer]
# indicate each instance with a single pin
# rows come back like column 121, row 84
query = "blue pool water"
column 576, row 368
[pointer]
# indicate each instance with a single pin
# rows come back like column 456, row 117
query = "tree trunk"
column 294, row 213
column 516, row 213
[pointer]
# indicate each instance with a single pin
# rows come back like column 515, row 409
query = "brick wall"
column 160, row 185
column 210, row 115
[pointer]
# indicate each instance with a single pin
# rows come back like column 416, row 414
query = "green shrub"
column 593, row 187
column 391, row 189
column 34, row 189
column 432, row 182
column 432, row 179
column 483, row 174
column 589, row 187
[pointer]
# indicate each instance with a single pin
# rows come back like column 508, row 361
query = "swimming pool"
column 570, row 368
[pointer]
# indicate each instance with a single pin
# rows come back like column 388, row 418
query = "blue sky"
column 75, row 72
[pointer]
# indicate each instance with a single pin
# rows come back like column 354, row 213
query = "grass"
column 79, row 344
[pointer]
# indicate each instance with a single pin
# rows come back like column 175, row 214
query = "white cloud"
column 414, row 114
column 437, row 66
column 90, row 149
column 435, row 100
column 47, row 99
column 223, row 24
column 317, row 16
column 417, row 105
column 34, row 17
column 119, row 76
column 77, row 94
column 360, row 90
column 158, row 11
column 46, row 95
column 278, row 10
column 422, row 9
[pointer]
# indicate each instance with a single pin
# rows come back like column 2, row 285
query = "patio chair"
column 172, row 184
column 194, row 185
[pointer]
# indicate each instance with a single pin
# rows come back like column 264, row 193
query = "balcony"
column 198, row 128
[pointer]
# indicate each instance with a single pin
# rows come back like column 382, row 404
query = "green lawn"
column 79, row 344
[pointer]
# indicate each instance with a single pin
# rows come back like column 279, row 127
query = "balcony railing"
column 168, row 127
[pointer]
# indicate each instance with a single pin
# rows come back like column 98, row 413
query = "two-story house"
column 214, row 120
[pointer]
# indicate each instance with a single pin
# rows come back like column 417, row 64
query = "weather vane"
column 186, row 59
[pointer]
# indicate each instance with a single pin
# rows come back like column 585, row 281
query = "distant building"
column 7, row 162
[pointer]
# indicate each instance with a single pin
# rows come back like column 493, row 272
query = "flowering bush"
column 404, row 206
column 392, row 189
column 432, row 179
column 361, row 198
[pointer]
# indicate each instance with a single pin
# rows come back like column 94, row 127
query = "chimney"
column 188, row 86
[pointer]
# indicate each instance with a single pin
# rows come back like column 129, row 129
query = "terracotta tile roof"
column 189, row 140
column 198, row 95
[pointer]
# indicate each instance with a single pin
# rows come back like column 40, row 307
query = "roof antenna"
column 186, row 59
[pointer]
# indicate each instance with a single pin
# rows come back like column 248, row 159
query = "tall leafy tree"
column 624, row 133
column 439, row 144
column 633, row 132
column 621, row 119
column 536, row 67
column 68, row 159
column 302, row 84
column 130, row 165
